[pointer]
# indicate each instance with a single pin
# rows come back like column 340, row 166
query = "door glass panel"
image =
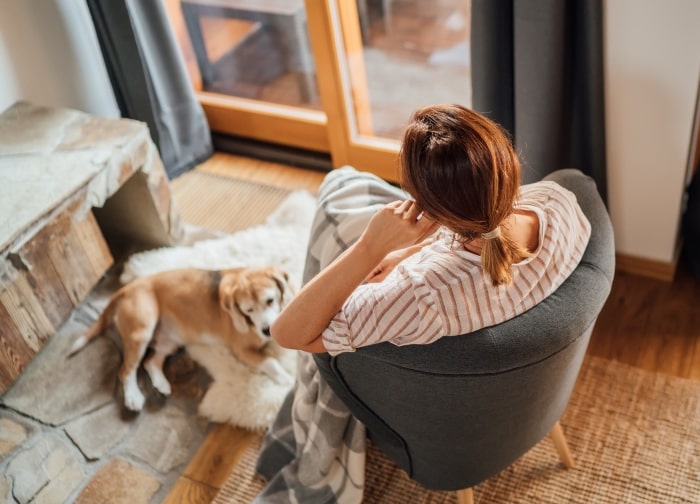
column 402, row 55
column 255, row 49
column 377, row 62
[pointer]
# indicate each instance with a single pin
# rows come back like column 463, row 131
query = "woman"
column 468, row 249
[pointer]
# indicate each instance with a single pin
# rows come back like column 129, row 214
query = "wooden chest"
column 58, row 169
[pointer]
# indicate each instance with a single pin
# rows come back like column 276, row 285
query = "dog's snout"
column 266, row 331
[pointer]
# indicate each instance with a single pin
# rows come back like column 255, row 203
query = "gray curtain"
column 150, row 80
column 537, row 69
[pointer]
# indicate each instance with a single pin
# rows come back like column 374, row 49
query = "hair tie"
column 494, row 233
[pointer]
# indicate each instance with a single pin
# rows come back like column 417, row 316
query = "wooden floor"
column 648, row 323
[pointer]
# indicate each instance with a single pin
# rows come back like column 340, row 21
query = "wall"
column 49, row 55
column 652, row 50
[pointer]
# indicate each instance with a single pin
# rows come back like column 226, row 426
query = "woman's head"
column 463, row 172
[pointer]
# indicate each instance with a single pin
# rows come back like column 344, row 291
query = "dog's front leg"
column 272, row 368
column 268, row 365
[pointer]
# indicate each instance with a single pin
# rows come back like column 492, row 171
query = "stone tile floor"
column 65, row 436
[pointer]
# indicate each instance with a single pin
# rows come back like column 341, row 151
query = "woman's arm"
column 397, row 225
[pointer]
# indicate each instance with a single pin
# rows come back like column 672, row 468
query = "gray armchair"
column 454, row 413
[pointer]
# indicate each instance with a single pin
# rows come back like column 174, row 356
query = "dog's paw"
column 272, row 368
column 133, row 398
column 283, row 379
column 158, row 379
column 162, row 386
column 134, row 403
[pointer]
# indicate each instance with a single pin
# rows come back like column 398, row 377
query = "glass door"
column 334, row 76
column 382, row 60
column 251, row 66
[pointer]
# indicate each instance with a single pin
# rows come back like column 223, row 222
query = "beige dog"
column 165, row 311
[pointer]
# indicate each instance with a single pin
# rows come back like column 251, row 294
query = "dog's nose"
column 266, row 331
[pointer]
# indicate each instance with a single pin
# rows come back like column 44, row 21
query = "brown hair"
column 463, row 172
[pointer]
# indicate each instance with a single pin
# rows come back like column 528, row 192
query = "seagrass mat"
column 635, row 437
column 223, row 203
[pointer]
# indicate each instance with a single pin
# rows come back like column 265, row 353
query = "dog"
column 168, row 310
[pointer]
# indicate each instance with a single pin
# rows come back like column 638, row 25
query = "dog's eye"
column 249, row 310
column 270, row 301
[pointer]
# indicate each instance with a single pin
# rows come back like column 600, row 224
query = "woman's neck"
column 522, row 227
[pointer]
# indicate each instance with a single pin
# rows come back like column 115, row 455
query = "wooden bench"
column 73, row 189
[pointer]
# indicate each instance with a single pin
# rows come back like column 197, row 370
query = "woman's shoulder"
column 544, row 190
column 561, row 217
column 548, row 196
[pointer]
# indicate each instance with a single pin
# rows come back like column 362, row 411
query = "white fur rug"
column 238, row 394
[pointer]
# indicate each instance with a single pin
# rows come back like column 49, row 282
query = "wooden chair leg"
column 465, row 496
column 557, row 435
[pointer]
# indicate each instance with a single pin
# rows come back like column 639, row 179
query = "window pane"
column 256, row 49
column 414, row 53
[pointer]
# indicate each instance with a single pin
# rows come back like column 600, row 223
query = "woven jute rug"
column 635, row 437
column 223, row 203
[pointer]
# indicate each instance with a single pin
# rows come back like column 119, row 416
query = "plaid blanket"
column 315, row 450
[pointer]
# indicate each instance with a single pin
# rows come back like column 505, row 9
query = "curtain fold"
column 537, row 69
column 150, row 80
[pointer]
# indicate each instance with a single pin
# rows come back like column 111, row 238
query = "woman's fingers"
column 397, row 225
column 410, row 212
column 408, row 209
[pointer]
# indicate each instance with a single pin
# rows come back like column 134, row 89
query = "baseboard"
column 272, row 152
column 646, row 267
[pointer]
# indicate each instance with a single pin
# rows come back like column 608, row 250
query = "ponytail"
column 498, row 253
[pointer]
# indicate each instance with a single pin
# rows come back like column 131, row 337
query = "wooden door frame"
column 336, row 42
column 273, row 123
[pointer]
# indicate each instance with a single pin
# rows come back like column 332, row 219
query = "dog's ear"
column 228, row 303
column 281, row 278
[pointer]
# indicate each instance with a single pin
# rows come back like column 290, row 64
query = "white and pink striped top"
column 443, row 291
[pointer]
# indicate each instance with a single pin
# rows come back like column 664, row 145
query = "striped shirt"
column 443, row 290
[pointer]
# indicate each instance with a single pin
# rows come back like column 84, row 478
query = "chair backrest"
column 455, row 412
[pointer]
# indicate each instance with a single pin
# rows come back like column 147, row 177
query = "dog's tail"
column 97, row 328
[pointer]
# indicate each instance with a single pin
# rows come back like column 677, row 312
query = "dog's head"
column 253, row 297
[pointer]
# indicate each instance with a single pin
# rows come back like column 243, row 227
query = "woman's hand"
column 397, row 225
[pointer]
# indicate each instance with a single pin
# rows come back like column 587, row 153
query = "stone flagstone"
column 56, row 388
column 12, row 434
column 5, row 488
column 163, row 438
column 46, row 471
column 119, row 482
column 96, row 433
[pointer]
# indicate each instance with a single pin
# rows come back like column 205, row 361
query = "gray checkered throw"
column 315, row 450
